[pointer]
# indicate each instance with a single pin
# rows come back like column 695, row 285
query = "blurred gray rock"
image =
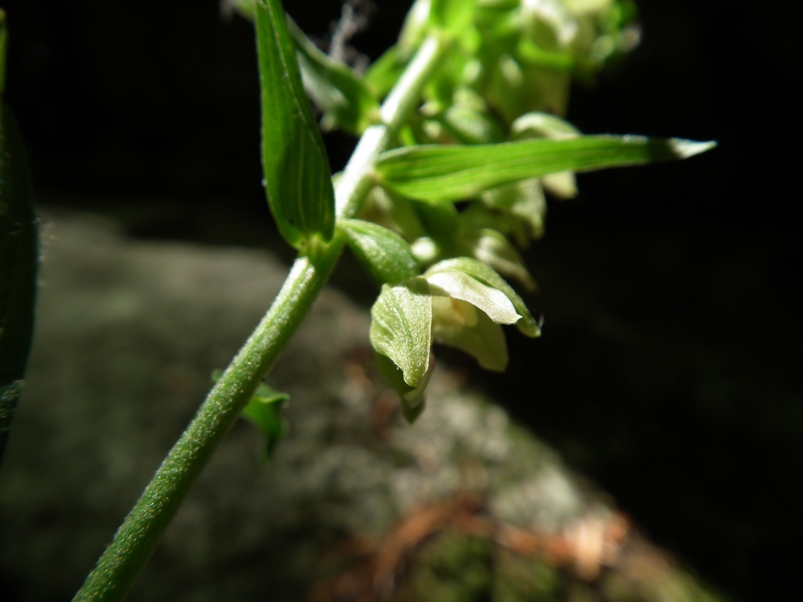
column 128, row 334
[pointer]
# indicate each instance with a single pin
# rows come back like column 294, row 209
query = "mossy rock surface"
column 355, row 504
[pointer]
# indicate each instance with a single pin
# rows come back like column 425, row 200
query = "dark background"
column 670, row 367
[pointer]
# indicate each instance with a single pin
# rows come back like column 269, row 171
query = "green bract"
column 383, row 253
column 448, row 173
column 297, row 174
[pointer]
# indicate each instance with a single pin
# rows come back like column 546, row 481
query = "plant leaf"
column 401, row 320
column 18, row 265
column 478, row 270
column 384, row 254
column 447, row 173
column 334, row 87
column 297, row 175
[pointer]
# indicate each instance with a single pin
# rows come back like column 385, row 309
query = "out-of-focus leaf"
column 401, row 320
column 383, row 253
column 439, row 220
column 448, row 173
column 492, row 248
column 478, row 270
column 400, row 211
column 263, row 410
column 544, row 125
column 297, row 174
column 415, row 26
column 482, row 339
column 334, row 87
column 459, row 285
column 468, row 126
column 452, row 16
column 18, row 259
column 524, row 207
column 384, row 72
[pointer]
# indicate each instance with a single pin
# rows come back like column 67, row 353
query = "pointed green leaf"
column 410, row 411
column 447, row 173
column 483, row 339
column 459, row 285
column 334, row 87
column 401, row 320
column 544, row 125
column 478, row 270
column 18, row 265
column 383, row 253
column 263, row 411
column 297, row 175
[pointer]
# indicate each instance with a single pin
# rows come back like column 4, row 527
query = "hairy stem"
column 137, row 537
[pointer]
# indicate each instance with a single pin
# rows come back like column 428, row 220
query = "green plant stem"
column 137, row 537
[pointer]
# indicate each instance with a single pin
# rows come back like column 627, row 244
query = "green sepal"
column 456, row 284
column 412, row 412
column 448, row 173
column 479, row 336
column 412, row 398
column 385, row 255
column 297, row 175
column 334, row 87
column 401, row 320
column 486, row 275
